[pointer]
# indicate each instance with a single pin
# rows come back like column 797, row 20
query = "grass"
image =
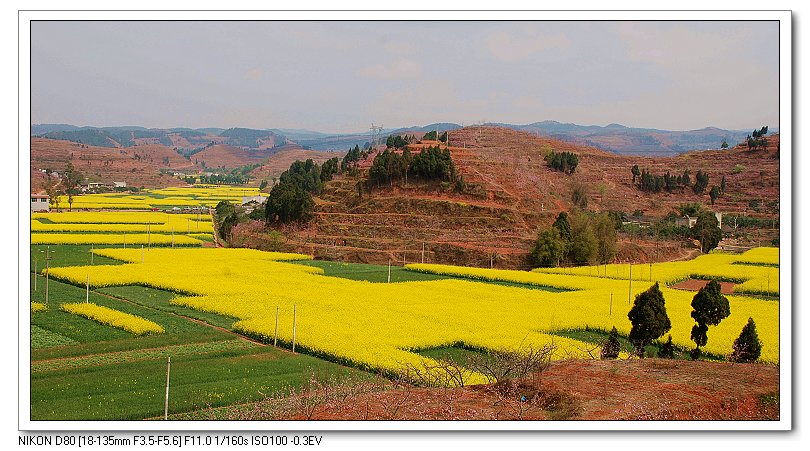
column 136, row 390
column 597, row 337
column 455, row 354
column 379, row 274
column 67, row 255
column 161, row 300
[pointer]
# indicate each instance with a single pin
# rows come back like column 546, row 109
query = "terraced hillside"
column 511, row 192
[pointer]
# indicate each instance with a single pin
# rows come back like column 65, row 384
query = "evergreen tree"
column 714, row 193
column 636, row 173
column 649, row 318
column 724, row 145
column 747, row 347
column 611, row 347
column 564, row 227
column 709, row 307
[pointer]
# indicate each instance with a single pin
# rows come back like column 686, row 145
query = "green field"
column 379, row 274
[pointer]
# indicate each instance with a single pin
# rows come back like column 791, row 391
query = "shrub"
column 667, row 350
column 611, row 347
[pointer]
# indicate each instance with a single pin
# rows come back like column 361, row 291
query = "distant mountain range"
column 614, row 137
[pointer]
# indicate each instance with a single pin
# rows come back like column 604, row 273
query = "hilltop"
column 614, row 138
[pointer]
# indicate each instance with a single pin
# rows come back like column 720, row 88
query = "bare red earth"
column 695, row 285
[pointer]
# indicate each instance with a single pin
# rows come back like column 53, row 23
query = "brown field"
column 695, row 285
column 648, row 389
column 138, row 166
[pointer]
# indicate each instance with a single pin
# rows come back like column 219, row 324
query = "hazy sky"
column 342, row 76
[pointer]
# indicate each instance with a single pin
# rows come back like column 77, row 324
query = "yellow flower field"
column 37, row 307
column 120, row 217
column 196, row 196
column 152, row 239
column 751, row 279
column 130, row 323
column 375, row 325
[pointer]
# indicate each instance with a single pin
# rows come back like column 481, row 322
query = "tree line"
column 668, row 182
column 650, row 321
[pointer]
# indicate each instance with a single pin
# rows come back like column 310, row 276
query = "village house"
column 40, row 202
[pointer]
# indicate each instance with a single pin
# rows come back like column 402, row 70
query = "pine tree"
column 747, row 347
column 611, row 348
column 649, row 318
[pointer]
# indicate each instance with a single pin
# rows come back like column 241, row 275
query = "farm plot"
column 197, row 196
column 742, row 269
column 379, row 326
column 83, row 370
column 112, row 228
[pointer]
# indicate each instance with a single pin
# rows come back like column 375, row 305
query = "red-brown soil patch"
column 649, row 389
column 697, row 284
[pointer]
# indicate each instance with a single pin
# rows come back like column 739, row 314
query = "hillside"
column 281, row 160
column 137, row 166
column 187, row 141
column 511, row 193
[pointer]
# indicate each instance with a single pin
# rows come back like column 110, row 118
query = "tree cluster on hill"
column 430, row 163
column 398, row 141
column 757, row 140
column 579, row 239
column 562, row 161
column 668, row 182
column 350, row 160
column 291, row 199
column 434, row 136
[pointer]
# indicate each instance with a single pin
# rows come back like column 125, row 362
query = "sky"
column 341, row 77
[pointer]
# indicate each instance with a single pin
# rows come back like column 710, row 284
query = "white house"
column 40, row 202
column 119, row 184
column 258, row 199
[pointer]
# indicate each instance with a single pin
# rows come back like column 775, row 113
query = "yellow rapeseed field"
column 377, row 325
column 152, row 239
column 104, row 315
column 37, row 307
column 752, row 279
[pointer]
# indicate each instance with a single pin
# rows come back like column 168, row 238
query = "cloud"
column 512, row 48
column 402, row 69
column 254, row 74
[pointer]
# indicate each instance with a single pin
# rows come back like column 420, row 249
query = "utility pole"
column 87, row 299
column 295, row 317
column 423, row 252
column 389, row 270
column 275, row 334
column 166, row 404
column 611, row 304
column 141, row 253
column 47, row 271
column 91, row 253
column 35, row 274
column 630, row 293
